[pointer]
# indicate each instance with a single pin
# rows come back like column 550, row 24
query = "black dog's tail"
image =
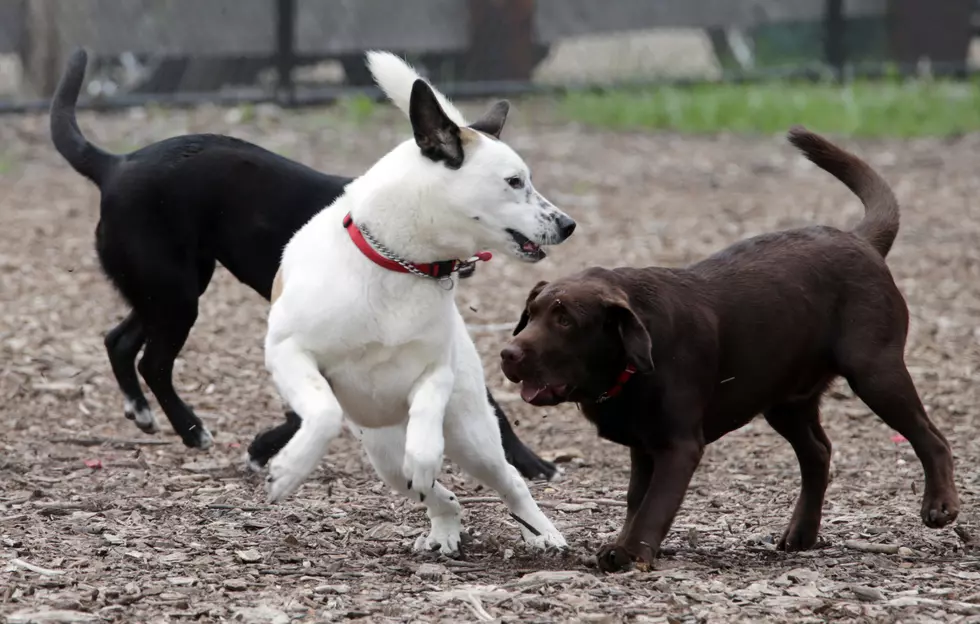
column 880, row 224
column 85, row 158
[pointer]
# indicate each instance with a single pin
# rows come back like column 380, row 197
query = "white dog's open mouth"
column 526, row 249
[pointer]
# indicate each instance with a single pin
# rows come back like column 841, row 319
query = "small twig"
column 114, row 442
column 284, row 571
column 61, row 508
column 462, row 565
column 473, row 602
column 968, row 540
column 881, row 549
column 240, row 507
column 548, row 504
column 608, row 502
column 33, row 568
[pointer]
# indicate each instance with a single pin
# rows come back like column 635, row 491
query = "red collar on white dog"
column 620, row 382
column 381, row 256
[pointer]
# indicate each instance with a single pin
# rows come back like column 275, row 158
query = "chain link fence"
column 310, row 51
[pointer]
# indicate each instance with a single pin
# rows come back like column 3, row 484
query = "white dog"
column 359, row 328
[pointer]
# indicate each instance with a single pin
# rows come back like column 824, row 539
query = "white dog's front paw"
column 290, row 468
column 541, row 538
column 421, row 467
column 444, row 536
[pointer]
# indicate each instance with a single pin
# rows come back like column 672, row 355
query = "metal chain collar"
column 446, row 280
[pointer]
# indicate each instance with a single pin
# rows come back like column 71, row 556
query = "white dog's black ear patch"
column 493, row 120
column 435, row 133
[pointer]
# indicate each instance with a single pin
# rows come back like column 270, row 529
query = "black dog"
column 169, row 212
column 666, row 361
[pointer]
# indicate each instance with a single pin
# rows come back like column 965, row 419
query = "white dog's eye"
column 516, row 182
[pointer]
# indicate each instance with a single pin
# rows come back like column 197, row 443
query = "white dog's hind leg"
column 386, row 449
column 301, row 385
column 473, row 442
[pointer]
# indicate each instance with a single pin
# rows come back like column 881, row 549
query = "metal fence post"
column 285, row 51
column 834, row 46
column 501, row 40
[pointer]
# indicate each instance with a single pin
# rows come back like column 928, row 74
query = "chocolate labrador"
column 665, row 361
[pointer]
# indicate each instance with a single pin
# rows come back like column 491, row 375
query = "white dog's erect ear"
column 435, row 133
column 493, row 120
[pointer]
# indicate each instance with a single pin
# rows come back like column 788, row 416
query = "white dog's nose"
column 566, row 225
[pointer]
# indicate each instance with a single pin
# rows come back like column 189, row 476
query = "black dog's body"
column 762, row 327
column 169, row 212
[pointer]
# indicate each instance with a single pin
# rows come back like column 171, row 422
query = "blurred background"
column 658, row 125
column 297, row 52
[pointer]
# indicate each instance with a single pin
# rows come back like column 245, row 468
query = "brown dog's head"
column 575, row 337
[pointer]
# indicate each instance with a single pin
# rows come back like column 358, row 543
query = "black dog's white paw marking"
column 143, row 417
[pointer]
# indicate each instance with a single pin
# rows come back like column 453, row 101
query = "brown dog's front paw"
column 619, row 558
column 940, row 510
column 798, row 537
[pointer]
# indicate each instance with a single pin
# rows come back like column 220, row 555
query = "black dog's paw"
column 262, row 449
column 531, row 466
column 198, row 437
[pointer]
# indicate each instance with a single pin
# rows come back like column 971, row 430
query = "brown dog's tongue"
column 529, row 392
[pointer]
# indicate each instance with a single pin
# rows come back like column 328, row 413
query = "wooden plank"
column 12, row 25
column 557, row 19
column 42, row 54
column 168, row 27
column 939, row 30
column 411, row 26
column 247, row 27
column 501, row 43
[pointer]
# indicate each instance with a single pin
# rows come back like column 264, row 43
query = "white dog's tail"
column 396, row 77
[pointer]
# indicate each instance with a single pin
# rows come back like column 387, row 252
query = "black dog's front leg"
column 269, row 442
column 518, row 454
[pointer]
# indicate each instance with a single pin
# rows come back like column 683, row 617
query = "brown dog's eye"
column 563, row 321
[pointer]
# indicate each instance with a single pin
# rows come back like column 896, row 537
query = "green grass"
column 357, row 109
column 863, row 108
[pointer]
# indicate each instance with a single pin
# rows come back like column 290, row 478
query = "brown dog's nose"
column 512, row 353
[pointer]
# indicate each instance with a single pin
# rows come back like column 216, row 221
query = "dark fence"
column 310, row 51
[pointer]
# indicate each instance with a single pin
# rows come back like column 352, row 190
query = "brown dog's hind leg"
column 882, row 381
column 799, row 423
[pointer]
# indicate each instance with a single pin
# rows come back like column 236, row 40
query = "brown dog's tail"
column 87, row 159
column 880, row 224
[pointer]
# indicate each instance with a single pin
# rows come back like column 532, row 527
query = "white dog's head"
column 469, row 182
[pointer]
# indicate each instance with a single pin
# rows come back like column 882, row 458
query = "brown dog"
column 667, row 360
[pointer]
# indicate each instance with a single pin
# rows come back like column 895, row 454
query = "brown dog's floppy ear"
column 531, row 296
column 435, row 133
column 635, row 337
column 493, row 120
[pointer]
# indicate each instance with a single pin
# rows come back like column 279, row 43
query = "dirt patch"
column 103, row 522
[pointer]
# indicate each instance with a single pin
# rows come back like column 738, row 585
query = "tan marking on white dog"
column 276, row 286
